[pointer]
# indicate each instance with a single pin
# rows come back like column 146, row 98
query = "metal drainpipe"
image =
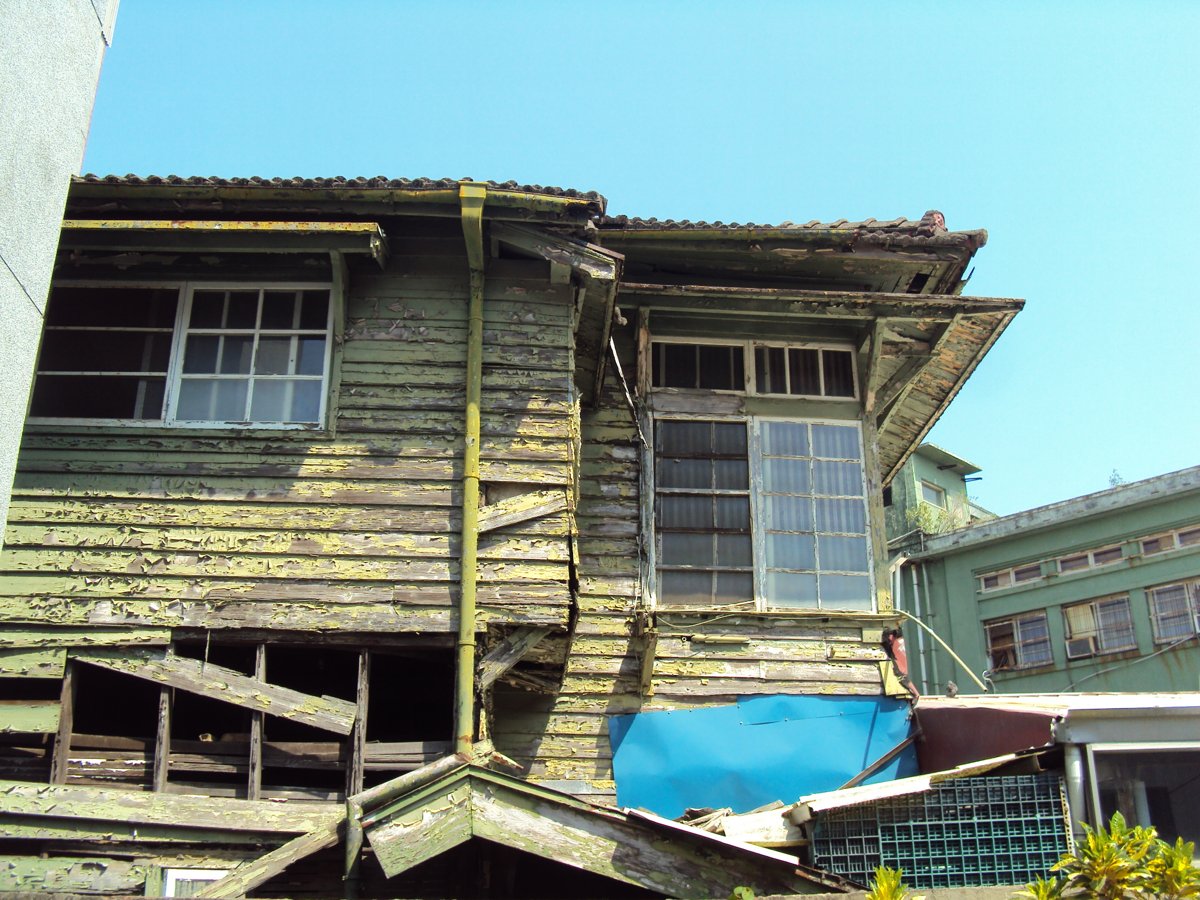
column 920, row 633
column 472, row 197
column 933, row 656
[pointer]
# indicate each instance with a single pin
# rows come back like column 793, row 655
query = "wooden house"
column 326, row 482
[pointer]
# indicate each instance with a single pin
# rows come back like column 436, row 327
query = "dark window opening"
column 918, row 283
column 839, row 373
column 887, row 496
column 708, row 366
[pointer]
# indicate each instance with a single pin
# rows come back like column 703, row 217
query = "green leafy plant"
column 1121, row 863
column 888, row 884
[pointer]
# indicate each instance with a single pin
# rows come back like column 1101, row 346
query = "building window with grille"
column 1019, row 642
column 1098, row 627
column 1175, row 610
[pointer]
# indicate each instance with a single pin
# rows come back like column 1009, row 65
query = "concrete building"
column 1098, row 593
column 50, row 56
column 929, row 495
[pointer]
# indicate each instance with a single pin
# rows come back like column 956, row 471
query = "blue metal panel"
column 758, row 750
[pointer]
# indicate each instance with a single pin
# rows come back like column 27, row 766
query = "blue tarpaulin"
column 753, row 752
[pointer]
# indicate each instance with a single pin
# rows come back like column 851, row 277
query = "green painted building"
column 929, row 495
column 1097, row 593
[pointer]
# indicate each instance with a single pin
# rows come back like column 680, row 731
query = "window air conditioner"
column 1080, row 647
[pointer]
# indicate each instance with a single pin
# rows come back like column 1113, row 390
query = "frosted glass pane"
column 789, row 513
column 845, row 592
column 734, row 587
column 733, row 513
column 838, row 478
column 306, row 401
column 791, row 551
column 684, row 438
column 311, row 360
column 684, row 473
column 835, row 441
column 785, row 439
column 843, row 554
column 733, row 550
column 677, row 549
column 841, row 515
column 685, row 512
column 270, row 401
column 729, row 438
column 790, row 589
column 787, row 476
column 230, row 403
column 195, row 399
column 731, row 474
column 685, row 588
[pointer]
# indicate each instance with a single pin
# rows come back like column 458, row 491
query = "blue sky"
column 1069, row 130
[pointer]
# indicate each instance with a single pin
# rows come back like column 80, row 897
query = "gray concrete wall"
column 50, row 56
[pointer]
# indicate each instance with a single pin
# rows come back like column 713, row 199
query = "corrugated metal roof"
column 378, row 182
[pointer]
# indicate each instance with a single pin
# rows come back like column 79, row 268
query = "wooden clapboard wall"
column 354, row 531
column 563, row 740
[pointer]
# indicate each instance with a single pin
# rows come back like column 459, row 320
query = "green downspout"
column 471, row 197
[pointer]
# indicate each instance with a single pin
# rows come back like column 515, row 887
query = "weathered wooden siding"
column 352, row 531
column 564, row 739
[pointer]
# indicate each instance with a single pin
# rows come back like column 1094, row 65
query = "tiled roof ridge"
column 378, row 182
column 932, row 223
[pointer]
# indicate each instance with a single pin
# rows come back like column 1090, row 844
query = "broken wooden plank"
column 423, row 831
column 244, row 879
column 508, row 653
column 220, row 683
column 53, row 636
column 357, row 748
column 99, row 804
column 60, row 761
column 162, row 741
column 771, row 828
column 29, row 716
column 255, row 764
column 29, row 663
column 521, row 508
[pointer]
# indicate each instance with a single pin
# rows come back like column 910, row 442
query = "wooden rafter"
column 508, row 653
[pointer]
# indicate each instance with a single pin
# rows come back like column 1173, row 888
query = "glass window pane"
column 201, row 354
column 684, row 549
column 243, row 310
column 270, row 401
column 153, row 394
column 790, row 589
column 839, row 373
column 207, row 309
column 803, row 367
column 734, row 587
column 785, row 439
column 786, row 513
column 684, row 438
column 279, row 309
column 786, row 476
column 195, row 399
column 791, row 551
column 729, row 438
column 733, row 513
column 835, row 441
column 230, row 403
column 772, row 373
column 684, row 511
column 846, row 516
column 843, row 554
column 733, row 551
column 721, row 368
column 846, row 591
column 235, row 354
column 732, row 474
column 678, row 366
column 312, row 356
column 314, row 310
column 306, row 401
column 838, row 478
column 273, row 356
column 685, row 588
column 684, row 473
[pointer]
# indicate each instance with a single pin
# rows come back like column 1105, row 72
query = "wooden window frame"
column 749, row 368
column 174, row 375
column 758, row 499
